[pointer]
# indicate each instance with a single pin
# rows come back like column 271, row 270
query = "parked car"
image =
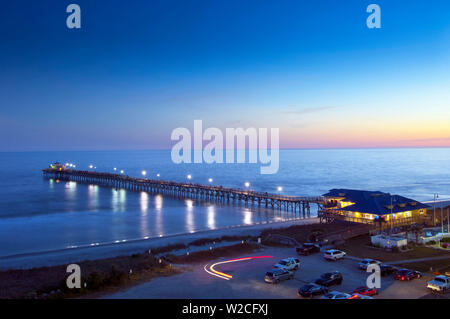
column 288, row 264
column 274, row 276
column 359, row 296
column 336, row 295
column 406, row 274
column 330, row 278
column 439, row 283
column 364, row 264
column 334, row 254
column 366, row 291
column 311, row 290
column 307, row 249
column 386, row 270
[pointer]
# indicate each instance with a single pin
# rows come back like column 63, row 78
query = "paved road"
column 248, row 280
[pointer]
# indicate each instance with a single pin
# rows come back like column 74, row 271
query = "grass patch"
column 166, row 249
column 208, row 255
column 99, row 275
column 303, row 233
column 359, row 247
column 432, row 266
column 206, row 241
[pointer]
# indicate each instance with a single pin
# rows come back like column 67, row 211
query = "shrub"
column 202, row 241
column 431, row 242
column 116, row 276
column 96, row 280
column 168, row 248
column 446, row 240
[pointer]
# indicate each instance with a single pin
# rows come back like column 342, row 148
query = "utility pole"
column 448, row 220
column 434, row 208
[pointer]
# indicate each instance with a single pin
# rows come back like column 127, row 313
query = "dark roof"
column 374, row 202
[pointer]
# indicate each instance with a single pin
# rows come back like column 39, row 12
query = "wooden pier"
column 302, row 205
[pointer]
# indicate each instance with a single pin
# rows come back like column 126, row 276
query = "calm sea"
column 39, row 215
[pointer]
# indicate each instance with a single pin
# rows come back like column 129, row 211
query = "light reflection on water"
column 144, row 203
column 247, row 217
column 211, row 217
column 71, row 190
column 158, row 208
column 118, row 200
column 190, row 227
column 93, row 197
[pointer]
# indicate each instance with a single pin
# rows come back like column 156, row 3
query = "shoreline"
column 115, row 249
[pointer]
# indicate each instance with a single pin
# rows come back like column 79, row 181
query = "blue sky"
column 138, row 69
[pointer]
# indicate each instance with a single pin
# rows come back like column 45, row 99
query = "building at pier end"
column 372, row 207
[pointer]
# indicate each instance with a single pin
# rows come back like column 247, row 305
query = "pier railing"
column 191, row 190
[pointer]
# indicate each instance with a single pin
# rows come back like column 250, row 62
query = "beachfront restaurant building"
column 376, row 208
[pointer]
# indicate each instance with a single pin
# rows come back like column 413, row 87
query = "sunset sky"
column 139, row 69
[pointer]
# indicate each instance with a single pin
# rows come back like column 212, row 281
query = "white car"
column 288, row 264
column 366, row 262
column 439, row 283
column 336, row 295
column 334, row 254
column 359, row 296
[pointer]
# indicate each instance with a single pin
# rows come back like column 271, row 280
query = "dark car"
column 365, row 291
column 311, row 290
column 307, row 249
column 406, row 274
column 386, row 270
column 330, row 278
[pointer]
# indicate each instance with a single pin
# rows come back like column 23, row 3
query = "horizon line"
column 224, row 149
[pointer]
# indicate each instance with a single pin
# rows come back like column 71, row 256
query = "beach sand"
column 110, row 250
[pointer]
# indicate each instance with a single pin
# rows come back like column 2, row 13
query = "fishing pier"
column 301, row 205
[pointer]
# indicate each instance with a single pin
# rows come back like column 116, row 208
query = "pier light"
column 73, row 165
column 144, row 173
column 158, row 175
column 247, row 184
column 280, row 189
column 210, row 180
column 121, row 172
column 115, row 168
column 189, row 176
column 91, row 166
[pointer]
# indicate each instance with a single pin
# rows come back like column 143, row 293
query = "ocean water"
column 41, row 215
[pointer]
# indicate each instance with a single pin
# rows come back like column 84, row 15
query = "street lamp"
column 91, row 166
column 115, row 168
column 280, row 189
column 121, row 172
column 157, row 175
column 210, row 180
column 247, row 184
column 189, row 177
column 144, row 173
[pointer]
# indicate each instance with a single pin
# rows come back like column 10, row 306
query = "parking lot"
column 248, row 280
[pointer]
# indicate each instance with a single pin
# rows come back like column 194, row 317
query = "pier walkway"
column 188, row 190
